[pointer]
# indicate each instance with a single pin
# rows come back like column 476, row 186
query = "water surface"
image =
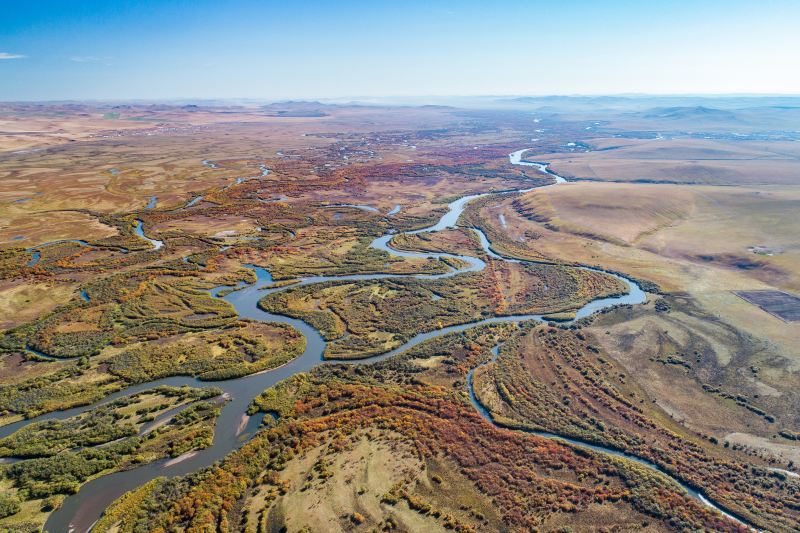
column 139, row 231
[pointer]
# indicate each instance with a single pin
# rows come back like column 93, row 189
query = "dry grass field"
column 695, row 161
column 748, row 231
column 700, row 244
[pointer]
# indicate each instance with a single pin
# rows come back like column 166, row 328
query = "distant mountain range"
column 700, row 112
column 642, row 102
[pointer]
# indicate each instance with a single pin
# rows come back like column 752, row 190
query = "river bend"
column 80, row 511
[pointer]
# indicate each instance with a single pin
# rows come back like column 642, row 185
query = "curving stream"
column 80, row 511
column 36, row 254
column 485, row 413
column 138, row 230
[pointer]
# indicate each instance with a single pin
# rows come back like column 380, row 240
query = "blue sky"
column 118, row 49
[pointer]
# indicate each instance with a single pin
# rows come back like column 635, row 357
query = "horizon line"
column 354, row 99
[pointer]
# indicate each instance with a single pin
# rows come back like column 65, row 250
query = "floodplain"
column 361, row 350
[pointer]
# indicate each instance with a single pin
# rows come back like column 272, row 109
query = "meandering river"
column 80, row 511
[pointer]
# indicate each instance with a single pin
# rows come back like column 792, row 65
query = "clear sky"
column 150, row 49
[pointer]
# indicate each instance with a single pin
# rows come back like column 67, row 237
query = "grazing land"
column 782, row 305
column 288, row 317
column 697, row 161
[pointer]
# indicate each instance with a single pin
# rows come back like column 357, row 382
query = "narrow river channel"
column 80, row 511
